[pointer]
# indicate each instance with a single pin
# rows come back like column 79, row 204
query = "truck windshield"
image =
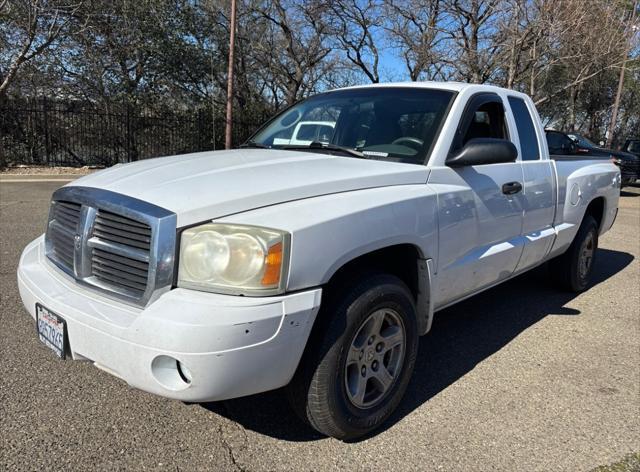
column 396, row 124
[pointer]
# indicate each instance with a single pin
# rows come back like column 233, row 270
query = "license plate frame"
column 52, row 331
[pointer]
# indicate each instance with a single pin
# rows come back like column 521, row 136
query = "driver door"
column 480, row 209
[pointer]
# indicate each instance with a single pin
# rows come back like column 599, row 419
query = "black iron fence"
column 71, row 133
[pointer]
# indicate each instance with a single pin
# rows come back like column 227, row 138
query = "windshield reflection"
column 394, row 123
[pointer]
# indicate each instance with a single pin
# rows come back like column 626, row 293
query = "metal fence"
column 71, row 133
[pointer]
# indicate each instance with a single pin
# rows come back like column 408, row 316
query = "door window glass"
column 526, row 130
column 488, row 122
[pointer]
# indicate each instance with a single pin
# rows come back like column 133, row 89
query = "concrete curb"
column 38, row 178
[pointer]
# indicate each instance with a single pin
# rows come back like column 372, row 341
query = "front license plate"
column 52, row 330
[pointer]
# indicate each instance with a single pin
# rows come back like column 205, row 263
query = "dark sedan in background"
column 628, row 162
column 632, row 145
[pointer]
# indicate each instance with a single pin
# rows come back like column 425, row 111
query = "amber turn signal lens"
column 273, row 266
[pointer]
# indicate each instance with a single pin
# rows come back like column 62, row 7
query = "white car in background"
column 307, row 132
column 313, row 264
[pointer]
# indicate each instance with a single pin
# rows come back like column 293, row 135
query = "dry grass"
column 631, row 463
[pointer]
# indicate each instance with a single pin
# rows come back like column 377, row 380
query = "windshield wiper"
column 329, row 147
column 253, row 144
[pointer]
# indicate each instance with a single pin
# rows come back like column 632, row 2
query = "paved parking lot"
column 522, row 377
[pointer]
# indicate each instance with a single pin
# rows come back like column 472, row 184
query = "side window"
column 526, row 130
column 633, row 146
column 324, row 133
column 307, row 132
column 559, row 143
column 487, row 122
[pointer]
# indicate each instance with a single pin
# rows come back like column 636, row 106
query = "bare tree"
column 414, row 31
column 516, row 37
column 471, row 26
column 628, row 46
column 30, row 27
column 354, row 27
column 295, row 47
column 169, row 57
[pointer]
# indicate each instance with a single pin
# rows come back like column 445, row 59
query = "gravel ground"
column 522, row 377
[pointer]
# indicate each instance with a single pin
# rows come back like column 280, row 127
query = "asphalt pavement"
column 522, row 377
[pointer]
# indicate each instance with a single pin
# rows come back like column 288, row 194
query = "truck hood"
column 208, row 185
column 624, row 155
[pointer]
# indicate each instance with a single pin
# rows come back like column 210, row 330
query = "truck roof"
column 453, row 86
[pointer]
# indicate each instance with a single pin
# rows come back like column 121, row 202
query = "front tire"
column 355, row 372
column 572, row 270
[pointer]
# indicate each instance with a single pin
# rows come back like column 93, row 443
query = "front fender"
column 331, row 230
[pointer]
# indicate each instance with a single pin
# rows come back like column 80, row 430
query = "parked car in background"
column 632, row 145
column 628, row 162
column 560, row 144
column 583, row 142
column 305, row 133
column 317, row 266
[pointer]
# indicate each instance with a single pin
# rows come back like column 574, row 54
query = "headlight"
column 233, row 259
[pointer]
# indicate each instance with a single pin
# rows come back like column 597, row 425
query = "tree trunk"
column 573, row 95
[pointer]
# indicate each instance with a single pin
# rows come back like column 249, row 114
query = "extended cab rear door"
column 538, row 196
column 480, row 207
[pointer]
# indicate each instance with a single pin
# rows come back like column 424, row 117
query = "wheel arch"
column 404, row 260
column 596, row 208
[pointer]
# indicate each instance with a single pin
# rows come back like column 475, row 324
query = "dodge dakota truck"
column 316, row 266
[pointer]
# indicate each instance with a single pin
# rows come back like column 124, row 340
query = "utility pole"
column 616, row 103
column 232, row 41
column 213, row 105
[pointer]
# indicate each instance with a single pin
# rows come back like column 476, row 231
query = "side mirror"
column 481, row 151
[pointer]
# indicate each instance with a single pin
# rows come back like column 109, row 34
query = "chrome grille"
column 119, row 245
column 118, row 229
column 119, row 271
column 127, row 273
column 63, row 225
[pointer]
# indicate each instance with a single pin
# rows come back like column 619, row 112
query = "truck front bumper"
column 229, row 346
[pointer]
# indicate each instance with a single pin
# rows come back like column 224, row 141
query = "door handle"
column 511, row 188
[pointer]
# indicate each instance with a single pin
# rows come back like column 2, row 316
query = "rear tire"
column 357, row 368
column 572, row 270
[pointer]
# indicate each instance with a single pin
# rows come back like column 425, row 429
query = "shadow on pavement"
column 625, row 191
column 462, row 336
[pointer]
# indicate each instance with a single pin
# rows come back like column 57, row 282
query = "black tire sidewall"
column 589, row 226
column 380, row 292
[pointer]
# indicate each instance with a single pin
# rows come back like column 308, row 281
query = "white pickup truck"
column 216, row 275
